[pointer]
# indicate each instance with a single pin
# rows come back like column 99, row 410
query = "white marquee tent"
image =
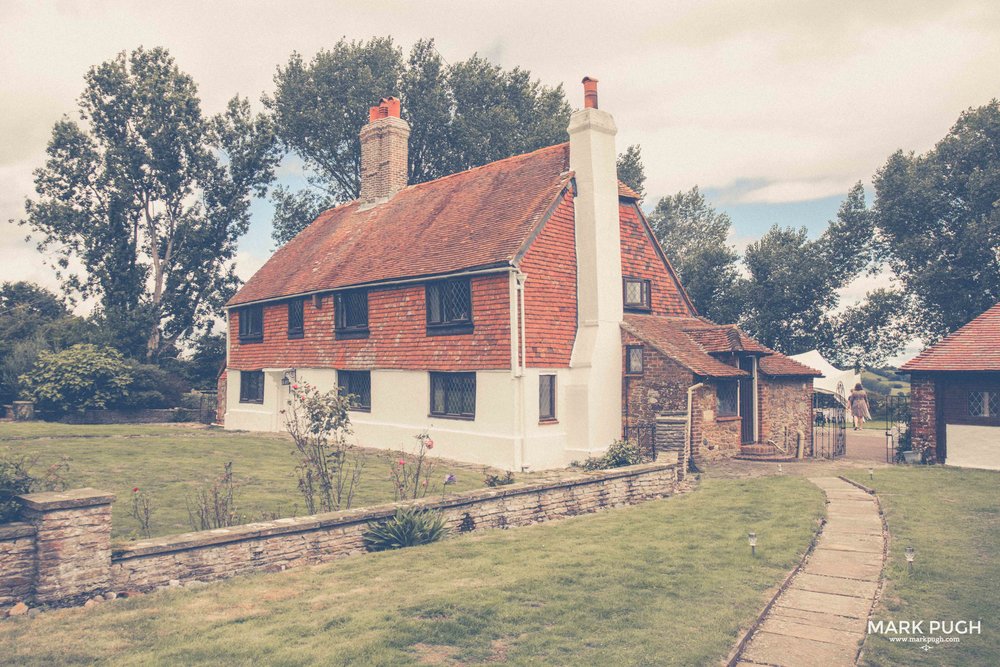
column 835, row 382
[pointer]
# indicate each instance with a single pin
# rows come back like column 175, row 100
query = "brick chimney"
column 384, row 153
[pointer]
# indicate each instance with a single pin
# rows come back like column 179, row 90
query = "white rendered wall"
column 973, row 446
column 400, row 410
column 593, row 391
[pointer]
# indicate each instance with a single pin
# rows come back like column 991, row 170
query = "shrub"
column 620, row 453
column 411, row 479
column 492, row 480
column 152, row 387
column 408, row 527
column 329, row 468
column 75, row 379
column 16, row 478
column 214, row 506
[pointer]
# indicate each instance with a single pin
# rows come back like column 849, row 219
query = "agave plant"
column 408, row 527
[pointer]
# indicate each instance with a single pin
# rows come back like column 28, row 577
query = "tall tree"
column 868, row 333
column 695, row 238
column 938, row 216
column 461, row 116
column 631, row 171
column 150, row 196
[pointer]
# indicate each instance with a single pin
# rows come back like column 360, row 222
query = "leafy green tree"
column 81, row 377
column 938, row 215
column 461, row 116
column 631, row 171
column 151, row 197
column 695, row 238
column 867, row 334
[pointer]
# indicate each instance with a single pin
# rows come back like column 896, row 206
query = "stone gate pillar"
column 72, row 544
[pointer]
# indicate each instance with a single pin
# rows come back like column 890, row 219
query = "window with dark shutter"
column 358, row 385
column 453, row 395
column 251, row 386
column 251, row 321
column 351, row 314
column 546, row 397
column 449, row 307
column 296, row 318
column 635, row 293
column 633, row 359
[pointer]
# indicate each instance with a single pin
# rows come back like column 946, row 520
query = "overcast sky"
column 773, row 108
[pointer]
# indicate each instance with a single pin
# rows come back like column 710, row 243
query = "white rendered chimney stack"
column 597, row 352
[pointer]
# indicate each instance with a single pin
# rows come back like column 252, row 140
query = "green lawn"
column 171, row 462
column 951, row 517
column 669, row 582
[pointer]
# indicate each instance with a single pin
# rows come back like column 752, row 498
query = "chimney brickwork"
column 384, row 153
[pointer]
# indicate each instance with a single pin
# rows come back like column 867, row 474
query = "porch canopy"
column 834, row 382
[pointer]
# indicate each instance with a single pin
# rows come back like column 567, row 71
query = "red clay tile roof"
column 474, row 219
column 974, row 347
column 691, row 341
column 627, row 192
column 668, row 335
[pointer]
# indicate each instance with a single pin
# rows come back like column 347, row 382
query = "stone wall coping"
column 12, row 531
column 353, row 517
column 48, row 501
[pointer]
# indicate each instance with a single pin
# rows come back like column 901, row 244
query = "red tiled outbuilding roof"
column 974, row 347
column 691, row 341
column 474, row 219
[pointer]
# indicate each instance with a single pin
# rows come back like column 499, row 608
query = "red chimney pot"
column 589, row 93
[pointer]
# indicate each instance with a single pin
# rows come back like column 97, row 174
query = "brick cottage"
column 522, row 311
column 955, row 396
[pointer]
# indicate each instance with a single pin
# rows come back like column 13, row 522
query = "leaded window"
column 453, row 395
column 449, row 307
column 546, row 397
column 251, row 320
column 633, row 359
column 636, row 293
column 296, row 318
column 984, row 404
column 251, row 386
column 726, row 392
column 351, row 314
column 357, row 385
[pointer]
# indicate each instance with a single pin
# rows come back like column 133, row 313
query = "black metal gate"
column 896, row 414
column 644, row 435
column 829, row 427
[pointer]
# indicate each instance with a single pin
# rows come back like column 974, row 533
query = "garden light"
column 910, row 555
column 871, row 473
column 752, row 537
column 779, row 468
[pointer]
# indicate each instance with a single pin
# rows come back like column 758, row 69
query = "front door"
column 748, row 402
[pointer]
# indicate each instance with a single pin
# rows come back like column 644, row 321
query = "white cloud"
column 794, row 191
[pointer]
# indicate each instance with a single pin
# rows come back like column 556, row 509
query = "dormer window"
column 251, row 324
column 449, row 307
column 351, row 314
column 635, row 293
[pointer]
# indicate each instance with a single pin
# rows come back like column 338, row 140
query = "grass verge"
column 171, row 463
column 669, row 582
column 951, row 517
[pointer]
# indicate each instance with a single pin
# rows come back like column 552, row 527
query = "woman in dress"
column 859, row 406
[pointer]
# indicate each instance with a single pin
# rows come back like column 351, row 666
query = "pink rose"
column 401, row 462
column 135, row 490
column 428, row 443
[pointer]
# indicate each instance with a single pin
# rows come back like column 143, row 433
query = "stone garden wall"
column 68, row 535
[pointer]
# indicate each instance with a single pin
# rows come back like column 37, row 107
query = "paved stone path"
column 822, row 616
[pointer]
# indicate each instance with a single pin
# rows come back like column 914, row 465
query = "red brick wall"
column 398, row 334
column 785, row 410
column 550, row 291
column 640, row 259
column 661, row 388
column 923, row 415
